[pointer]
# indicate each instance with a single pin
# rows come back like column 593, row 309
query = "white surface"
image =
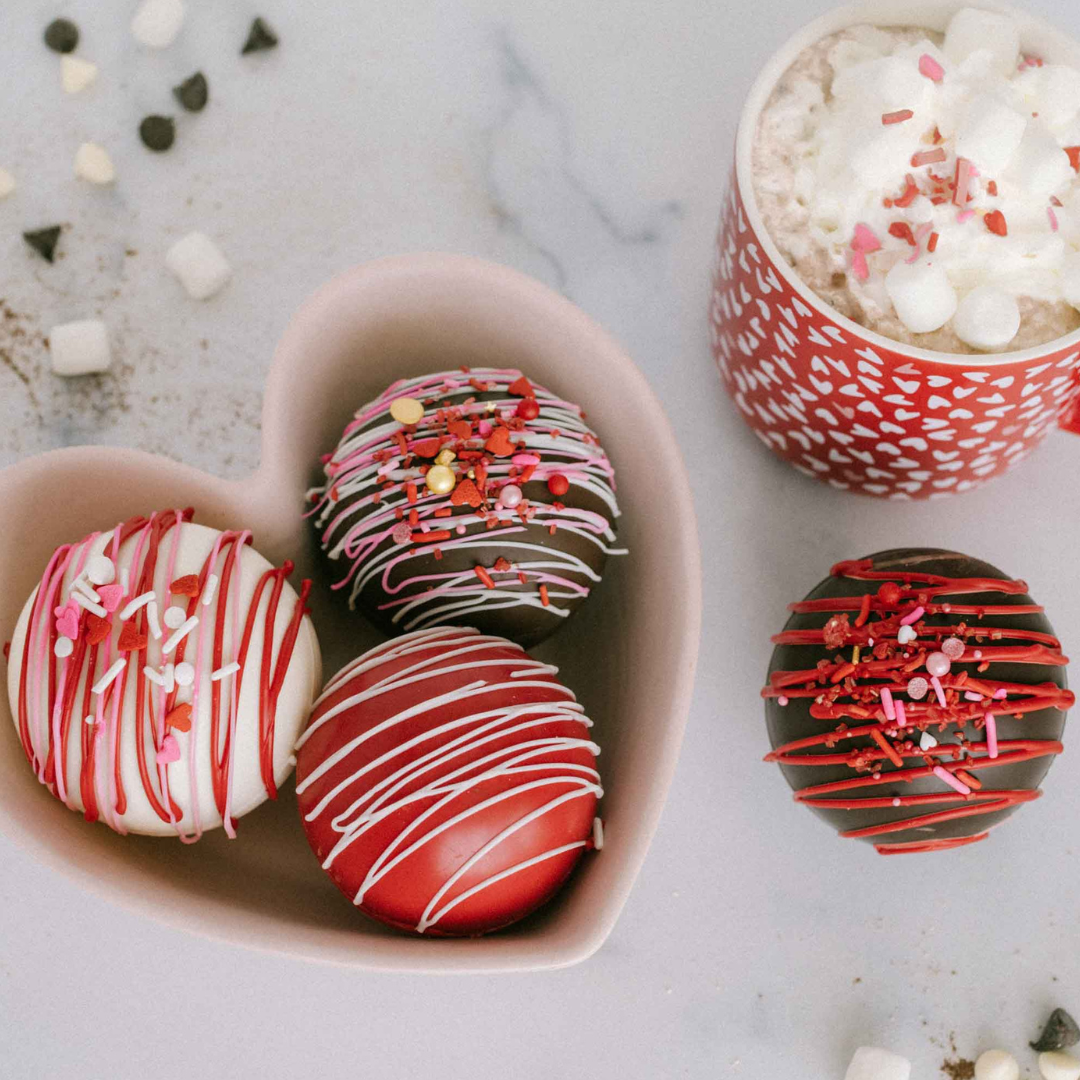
column 587, row 144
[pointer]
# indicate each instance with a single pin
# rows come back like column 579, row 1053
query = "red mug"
column 844, row 404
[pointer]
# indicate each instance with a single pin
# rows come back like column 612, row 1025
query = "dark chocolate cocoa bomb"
column 916, row 699
column 468, row 498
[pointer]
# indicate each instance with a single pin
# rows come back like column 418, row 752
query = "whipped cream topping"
column 939, row 175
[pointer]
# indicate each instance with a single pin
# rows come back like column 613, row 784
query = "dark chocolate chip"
column 44, row 241
column 193, row 92
column 1060, row 1031
column 62, row 35
column 157, row 132
column 260, row 37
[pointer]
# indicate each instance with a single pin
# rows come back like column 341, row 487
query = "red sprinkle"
column 521, row 388
column 432, row 537
column 527, row 409
column 484, row 576
column 890, row 753
column 558, row 484
column 897, row 117
column 932, row 243
column 185, row 586
column 864, row 610
column 991, row 188
column 911, row 193
column 130, row 639
column 1074, row 157
column 928, row 157
column 544, row 596
column 179, row 718
column 902, row 231
column 410, row 491
column 996, row 223
column 929, row 67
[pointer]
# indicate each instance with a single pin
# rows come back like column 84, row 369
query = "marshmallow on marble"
column 922, row 295
column 157, row 22
column 1040, row 165
column 987, row 318
column 973, row 30
column 997, row 1065
column 94, row 164
column 872, row 1063
column 199, row 264
column 79, row 348
column 76, row 74
column 7, row 183
column 1057, row 1065
column 989, row 134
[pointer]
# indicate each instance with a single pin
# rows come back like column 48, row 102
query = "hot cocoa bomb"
column 447, row 782
column 916, row 699
column 468, row 496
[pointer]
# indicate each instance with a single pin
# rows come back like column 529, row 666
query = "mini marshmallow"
column 1057, row 1065
column 922, row 296
column 1040, row 165
column 94, row 164
column 989, row 134
column 973, row 30
column 872, row 1063
column 157, row 22
column 76, row 74
column 1053, row 91
column 199, row 264
column 997, row 1065
column 7, row 183
column 79, row 348
column 987, row 318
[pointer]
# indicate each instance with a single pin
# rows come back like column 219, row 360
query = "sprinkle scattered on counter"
column 76, row 74
column 92, row 163
column 157, row 132
column 62, row 35
column 44, row 241
column 260, row 37
column 193, row 93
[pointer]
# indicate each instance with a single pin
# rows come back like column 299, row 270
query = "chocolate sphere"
column 879, row 745
column 439, row 506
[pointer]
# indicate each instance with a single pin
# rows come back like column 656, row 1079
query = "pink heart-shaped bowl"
column 629, row 654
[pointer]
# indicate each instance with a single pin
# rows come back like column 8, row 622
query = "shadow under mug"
column 846, row 405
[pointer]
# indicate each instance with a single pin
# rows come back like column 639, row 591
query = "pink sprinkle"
column 1053, row 219
column 921, row 233
column 953, row 648
column 896, row 802
column 965, row 216
column 461, row 530
column 964, row 173
column 935, row 682
column 887, row 703
column 865, row 240
column 970, row 695
column 928, row 157
column 525, row 459
column 897, row 117
column 978, row 654
column 991, row 735
column 401, row 533
column 901, row 715
column 947, row 777
column 917, row 687
column 929, row 67
column 1001, row 695
column 169, row 752
column 859, row 266
column 782, row 700
column 486, row 428
column 913, row 616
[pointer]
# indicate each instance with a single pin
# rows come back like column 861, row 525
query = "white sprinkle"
column 179, row 634
column 185, row 674
column 597, row 834
column 124, row 579
column 76, row 74
column 170, row 678
column 153, row 675
column 64, row 647
column 157, row 22
column 80, row 585
column 225, row 672
column 152, row 620
column 109, row 677
column 133, row 606
column 89, row 605
column 100, row 569
column 174, row 617
column 89, row 719
column 896, row 802
column 7, row 183
column 210, row 589
column 94, row 164
column 79, row 348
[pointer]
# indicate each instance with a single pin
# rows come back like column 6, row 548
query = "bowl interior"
column 629, row 654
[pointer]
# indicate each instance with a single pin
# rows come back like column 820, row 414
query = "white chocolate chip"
column 199, row 264
column 989, row 134
column 922, row 296
column 94, row 164
column 997, row 1065
column 76, row 74
column 973, row 30
column 157, row 22
column 1057, row 1065
column 872, row 1063
column 7, row 183
column 987, row 318
column 79, row 348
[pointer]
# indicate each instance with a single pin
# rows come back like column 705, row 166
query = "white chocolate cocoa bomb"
column 246, row 784
column 835, row 148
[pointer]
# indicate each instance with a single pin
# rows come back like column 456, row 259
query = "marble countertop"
column 588, row 145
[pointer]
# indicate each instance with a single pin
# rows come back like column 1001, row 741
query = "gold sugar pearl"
column 440, row 480
column 406, row 410
column 445, row 457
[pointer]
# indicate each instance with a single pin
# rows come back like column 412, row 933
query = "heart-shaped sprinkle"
column 906, row 634
column 466, row 493
column 927, row 742
column 169, row 752
column 521, row 388
column 130, row 639
column 67, row 622
column 460, row 429
column 426, row 447
column 179, row 718
column 110, row 595
column 499, row 444
column 97, row 628
column 185, row 586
